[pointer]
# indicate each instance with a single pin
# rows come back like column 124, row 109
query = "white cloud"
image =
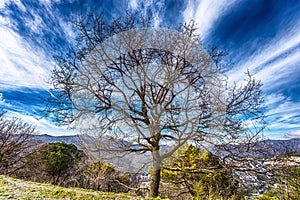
column 274, row 99
column 275, row 61
column 42, row 125
column 133, row 4
column 156, row 7
column 49, row 2
column 293, row 134
column 157, row 20
column 26, row 61
column 276, row 64
column 16, row 2
column 36, row 24
column 19, row 4
column 205, row 13
column 2, row 101
column 45, row 127
column 46, row 2
column 189, row 12
column 281, row 109
column 279, row 73
column 68, row 29
column 2, row 4
column 277, row 125
column 286, row 106
column 22, row 64
column 282, row 114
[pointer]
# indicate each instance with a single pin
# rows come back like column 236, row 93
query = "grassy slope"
column 11, row 188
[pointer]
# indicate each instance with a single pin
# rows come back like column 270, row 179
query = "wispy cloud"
column 42, row 125
column 49, row 2
column 35, row 23
column 2, row 101
column 26, row 50
column 133, row 4
column 18, row 3
column 27, row 44
column 4, row 104
column 155, row 7
column 285, row 106
column 276, row 64
column 282, row 115
column 2, row 4
column 28, row 110
column 28, row 106
column 293, row 134
column 277, row 60
column 22, row 65
column 205, row 13
column 273, row 99
column 26, row 59
column 68, row 30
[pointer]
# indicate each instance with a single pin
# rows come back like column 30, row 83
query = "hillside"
column 11, row 188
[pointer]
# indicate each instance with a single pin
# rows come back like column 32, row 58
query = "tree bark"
column 155, row 178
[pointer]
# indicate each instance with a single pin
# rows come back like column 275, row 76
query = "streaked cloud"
column 285, row 106
column 155, row 7
column 28, row 42
column 68, row 30
column 2, row 4
column 35, row 23
column 205, row 13
column 282, row 116
column 133, row 4
column 22, row 65
column 275, row 61
column 49, row 2
column 42, row 125
column 293, row 134
column 273, row 99
column 2, row 101
column 26, row 104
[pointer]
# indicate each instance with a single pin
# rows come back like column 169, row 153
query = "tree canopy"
column 140, row 87
column 57, row 160
column 200, row 174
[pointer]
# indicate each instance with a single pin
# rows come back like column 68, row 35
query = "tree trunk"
column 155, row 178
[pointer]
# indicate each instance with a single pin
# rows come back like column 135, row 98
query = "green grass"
column 11, row 188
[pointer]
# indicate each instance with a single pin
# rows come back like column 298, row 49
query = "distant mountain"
column 130, row 163
column 285, row 146
column 291, row 145
column 76, row 139
column 44, row 138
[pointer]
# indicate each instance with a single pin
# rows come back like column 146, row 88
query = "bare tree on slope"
column 140, row 87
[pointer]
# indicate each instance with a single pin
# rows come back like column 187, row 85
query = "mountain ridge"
column 279, row 145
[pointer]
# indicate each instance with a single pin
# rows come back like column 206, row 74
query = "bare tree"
column 15, row 143
column 141, row 87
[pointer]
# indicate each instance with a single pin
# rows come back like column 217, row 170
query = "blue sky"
column 260, row 35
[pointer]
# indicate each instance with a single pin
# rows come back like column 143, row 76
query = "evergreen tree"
column 200, row 174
